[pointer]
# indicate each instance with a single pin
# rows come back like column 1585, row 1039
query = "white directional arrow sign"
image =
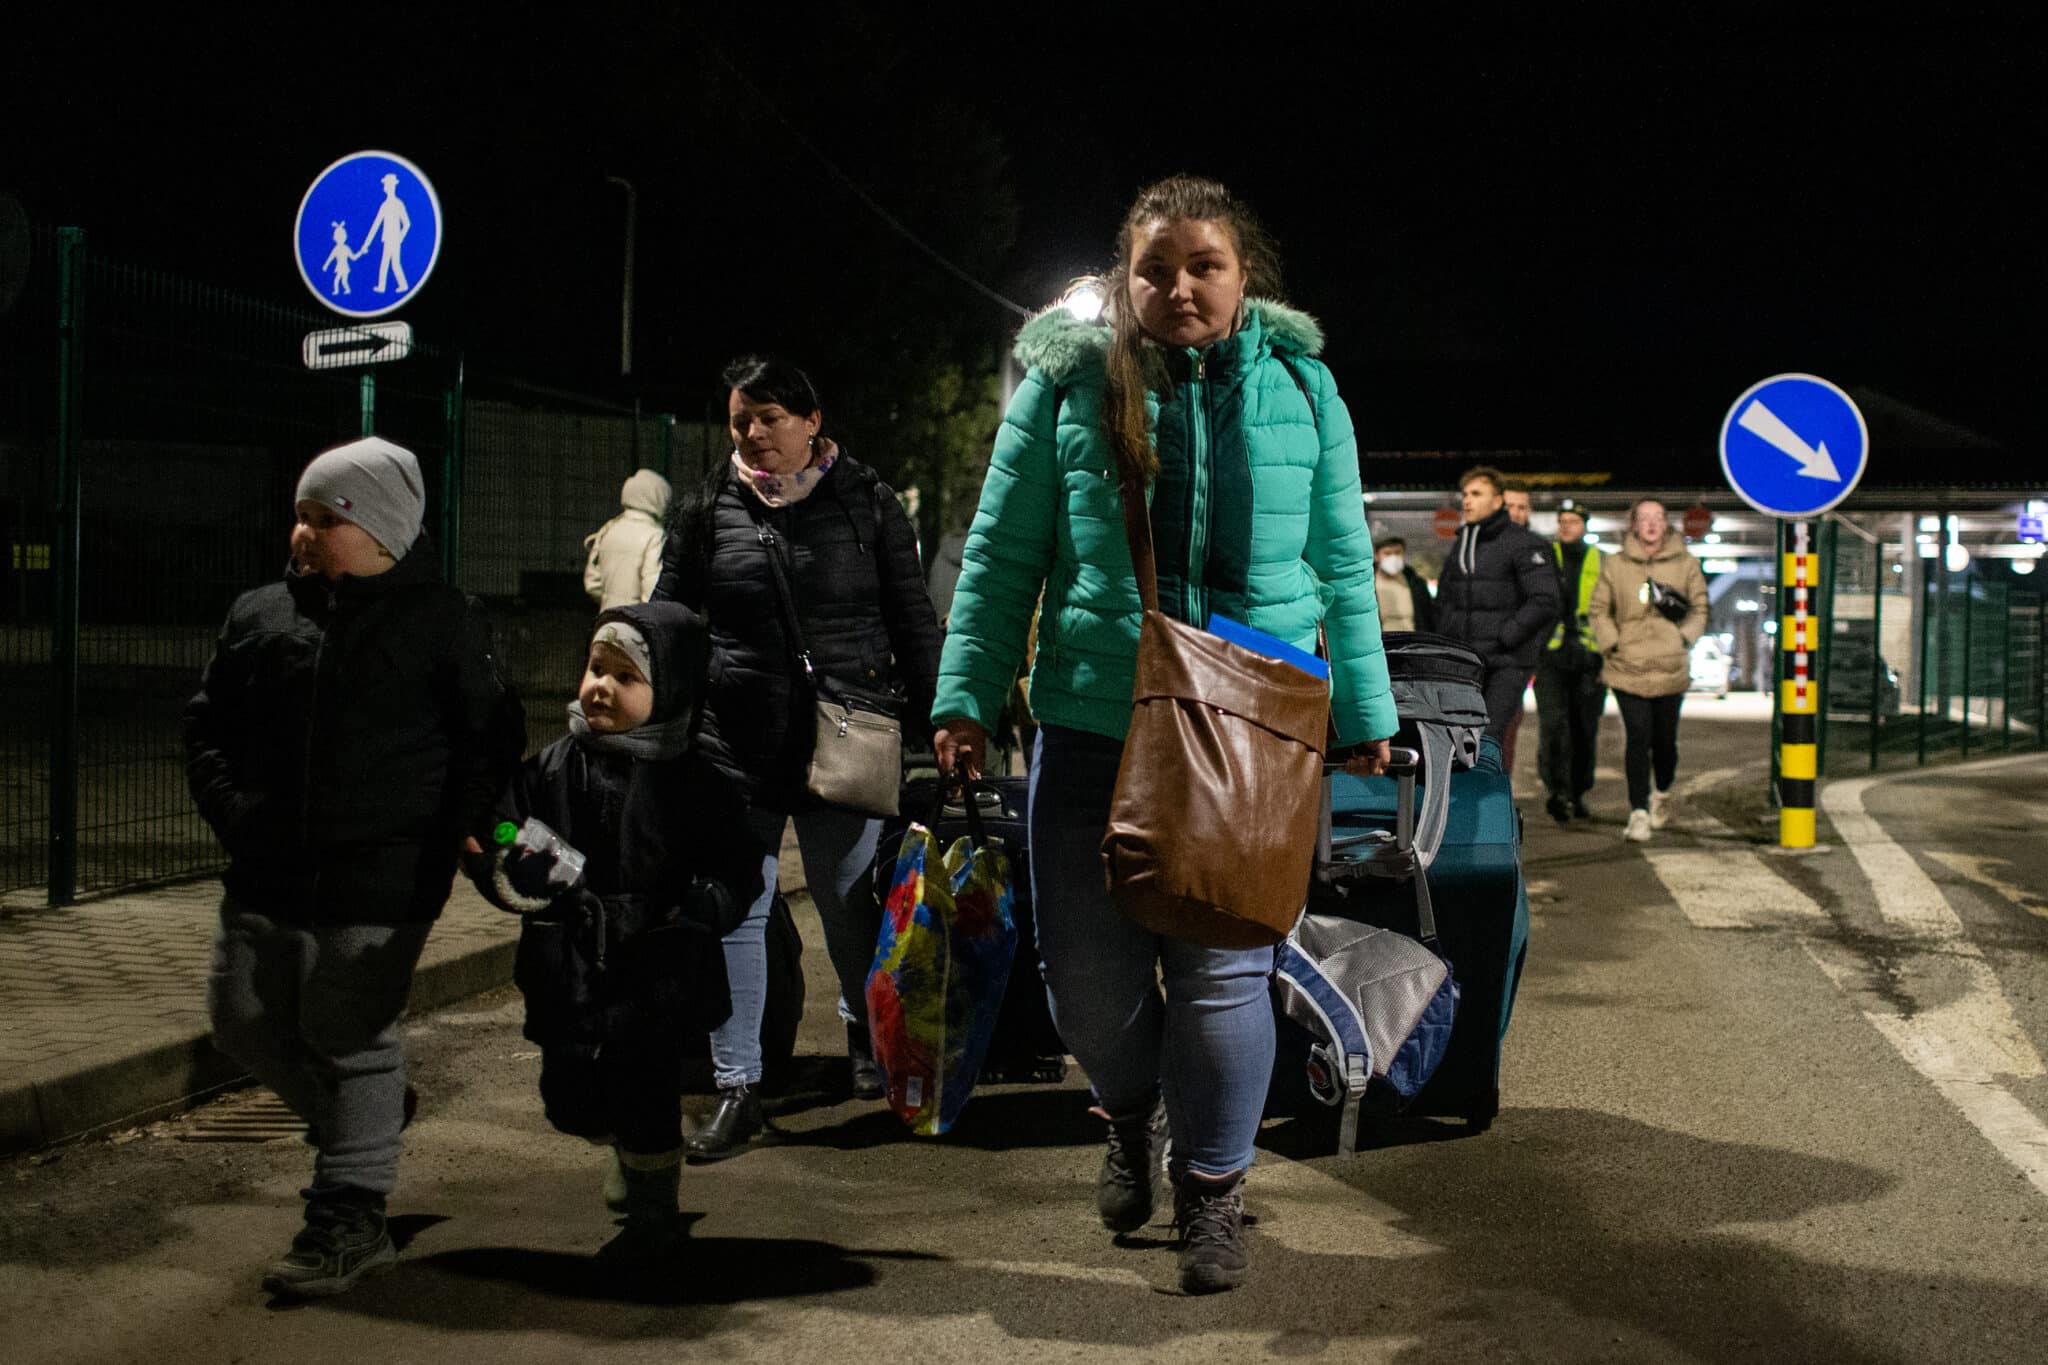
column 366, row 343
column 1793, row 445
column 1761, row 422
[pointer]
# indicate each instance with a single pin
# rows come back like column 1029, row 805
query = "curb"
column 112, row 1088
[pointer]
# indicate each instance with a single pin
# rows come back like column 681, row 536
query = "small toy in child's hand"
column 533, row 866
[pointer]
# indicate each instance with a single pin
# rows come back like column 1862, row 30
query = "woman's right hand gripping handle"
column 960, row 747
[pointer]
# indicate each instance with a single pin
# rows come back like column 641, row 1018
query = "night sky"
column 1578, row 231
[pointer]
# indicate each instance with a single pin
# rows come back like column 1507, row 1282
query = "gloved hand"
column 517, row 882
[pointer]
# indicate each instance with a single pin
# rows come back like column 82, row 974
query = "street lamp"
column 1085, row 297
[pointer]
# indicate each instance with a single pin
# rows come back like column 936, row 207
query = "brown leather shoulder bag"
column 1212, row 829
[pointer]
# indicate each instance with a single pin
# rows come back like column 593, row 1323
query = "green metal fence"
column 151, row 432
column 1926, row 663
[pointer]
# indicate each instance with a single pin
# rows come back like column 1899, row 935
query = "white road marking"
column 1966, row 1043
column 1928, row 1042
column 1728, row 889
column 1976, row 1017
column 1977, row 868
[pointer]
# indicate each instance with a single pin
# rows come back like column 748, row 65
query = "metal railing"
column 1925, row 663
column 151, row 432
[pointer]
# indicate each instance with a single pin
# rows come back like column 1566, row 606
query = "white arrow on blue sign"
column 1793, row 445
column 368, row 234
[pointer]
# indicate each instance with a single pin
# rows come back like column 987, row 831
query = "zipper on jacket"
column 312, row 724
column 1198, row 491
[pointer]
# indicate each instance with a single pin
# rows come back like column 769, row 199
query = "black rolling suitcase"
column 1475, row 873
column 1026, row 1046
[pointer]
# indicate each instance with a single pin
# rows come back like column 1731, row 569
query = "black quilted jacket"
column 346, row 737
column 861, row 603
column 1497, row 592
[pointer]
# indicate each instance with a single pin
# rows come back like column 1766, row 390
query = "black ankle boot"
column 735, row 1121
column 860, row 1056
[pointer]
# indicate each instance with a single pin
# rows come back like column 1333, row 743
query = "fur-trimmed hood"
column 1067, row 348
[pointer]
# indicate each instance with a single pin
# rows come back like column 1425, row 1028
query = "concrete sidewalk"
column 103, row 1005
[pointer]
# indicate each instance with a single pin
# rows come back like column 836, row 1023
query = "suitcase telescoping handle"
column 1403, row 765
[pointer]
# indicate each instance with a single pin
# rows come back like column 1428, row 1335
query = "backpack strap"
column 1301, row 382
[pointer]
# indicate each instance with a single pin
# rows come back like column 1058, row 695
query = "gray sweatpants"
column 313, row 1012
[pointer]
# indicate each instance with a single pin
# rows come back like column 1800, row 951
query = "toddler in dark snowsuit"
column 617, row 968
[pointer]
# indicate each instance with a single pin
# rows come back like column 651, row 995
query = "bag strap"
column 1138, row 531
column 968, row 787
column 771, row 546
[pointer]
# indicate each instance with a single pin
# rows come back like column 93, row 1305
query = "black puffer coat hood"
column 678, row 644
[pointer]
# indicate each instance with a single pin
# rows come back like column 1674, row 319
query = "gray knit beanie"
column 374, row 484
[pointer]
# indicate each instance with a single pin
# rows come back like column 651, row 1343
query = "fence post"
column 451, row 479
column 65, row 566
column 1968, row 596
column 1926, row 659
column 2005, row 671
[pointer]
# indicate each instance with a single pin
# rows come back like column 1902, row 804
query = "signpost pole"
column 368, row 387
column 1798, row 738
column 1793, row 446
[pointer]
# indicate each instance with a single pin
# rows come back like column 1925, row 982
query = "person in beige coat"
column 1647, row 654
column 625, row 552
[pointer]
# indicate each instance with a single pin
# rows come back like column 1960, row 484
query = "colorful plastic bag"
column 941, row 965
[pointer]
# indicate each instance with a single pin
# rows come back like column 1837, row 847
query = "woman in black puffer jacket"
column 858, row 586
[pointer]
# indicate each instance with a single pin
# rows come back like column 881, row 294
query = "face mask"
column 1392, row 564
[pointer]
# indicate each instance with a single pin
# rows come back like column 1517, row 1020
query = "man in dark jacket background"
column 1497, row 592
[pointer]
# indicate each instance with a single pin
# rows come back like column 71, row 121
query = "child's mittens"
column 518, row 882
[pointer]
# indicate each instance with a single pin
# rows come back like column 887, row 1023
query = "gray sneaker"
column 334, row 1250
column 1125, row 1191
column 1210, row 1217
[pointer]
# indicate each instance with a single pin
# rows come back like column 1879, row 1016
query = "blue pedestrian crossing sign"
column 1793, row 445
column 368, row 234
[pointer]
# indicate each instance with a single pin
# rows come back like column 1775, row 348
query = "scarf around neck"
column 657, row 739
column 784, row 490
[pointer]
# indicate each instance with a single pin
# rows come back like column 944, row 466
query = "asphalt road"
column 1757, row 1107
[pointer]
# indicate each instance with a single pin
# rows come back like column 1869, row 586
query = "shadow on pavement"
column 519, row 1289
column 998, row 1120
column 1561, row 1234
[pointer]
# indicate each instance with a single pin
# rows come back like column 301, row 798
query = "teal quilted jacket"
column 1257, row 515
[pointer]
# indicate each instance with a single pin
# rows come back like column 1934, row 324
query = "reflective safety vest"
column 1589, row 574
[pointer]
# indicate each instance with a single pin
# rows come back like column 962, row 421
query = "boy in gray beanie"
column 371, row 484
column 349, row 733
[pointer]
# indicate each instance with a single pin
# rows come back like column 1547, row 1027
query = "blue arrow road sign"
column 368, row 234
column 1793, row 445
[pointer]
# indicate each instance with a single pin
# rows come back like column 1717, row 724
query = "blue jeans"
column 838, row 848
column 1208, row 1040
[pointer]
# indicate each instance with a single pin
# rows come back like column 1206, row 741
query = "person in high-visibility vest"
column 1570, row 693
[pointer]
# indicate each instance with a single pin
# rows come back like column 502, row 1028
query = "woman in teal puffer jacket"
column 1207, row 390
